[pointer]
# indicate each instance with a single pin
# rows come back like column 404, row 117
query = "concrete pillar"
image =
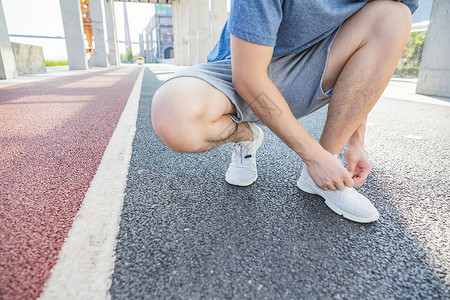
column 434, row 73
column 141, row 45
column 7, row 63
column 157, row 40
column 219, row 16
column 203, row 30
column 148, row 57
column 176, row 33
column 180, row 29
column 113, row 46
column 152, row 43
column 73, row 31
column 184, row 32
column 98, row 31
column 192, row 6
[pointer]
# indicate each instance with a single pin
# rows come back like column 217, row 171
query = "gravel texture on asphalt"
column 187, row 234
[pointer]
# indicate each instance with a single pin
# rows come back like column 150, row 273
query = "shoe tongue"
column 246, row 147
column 245, row 144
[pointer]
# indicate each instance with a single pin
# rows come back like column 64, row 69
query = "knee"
column 175, row 114
column 390, row 22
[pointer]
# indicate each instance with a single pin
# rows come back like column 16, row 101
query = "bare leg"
column 189, row 115
column 362, row 59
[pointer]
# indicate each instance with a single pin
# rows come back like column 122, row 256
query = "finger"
column 324, row 187
column 357, row 181
column 360, row 179
column 331, row 186
column 351, row 168
column 349, row 182
column 340, row 186
column 363, row 175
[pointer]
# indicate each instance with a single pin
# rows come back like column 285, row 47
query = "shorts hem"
column 238, row 118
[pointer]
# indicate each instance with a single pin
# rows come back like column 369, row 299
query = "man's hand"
column 357, row 164
column 327, row 172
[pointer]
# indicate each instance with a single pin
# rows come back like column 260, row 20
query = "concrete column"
column 180, row 29
column 184, row 32
column 7, row 63
column 176, row 33
column 111, row 32
column 434, row 73
column 148, row 57
column 152, row 43
column 73, row 31
column 141, row 45
column 203, row 30
column 98, row 31
column 157, row 41
column 193, row 31
column 219, row 16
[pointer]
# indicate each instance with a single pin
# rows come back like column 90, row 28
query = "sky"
column 43, row 17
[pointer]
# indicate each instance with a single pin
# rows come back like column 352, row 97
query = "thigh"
column 214, row 79
column 366, row 24
column 184, row 112
column 192, row 98
column 347, row 41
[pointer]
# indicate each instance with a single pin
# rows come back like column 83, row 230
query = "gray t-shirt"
column 291, row 26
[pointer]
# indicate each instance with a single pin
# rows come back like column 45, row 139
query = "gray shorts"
column 297, row 76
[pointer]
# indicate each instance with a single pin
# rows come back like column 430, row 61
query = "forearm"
column 250, row 79
column 268, row 104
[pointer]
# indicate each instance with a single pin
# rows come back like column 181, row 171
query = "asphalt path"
column 187, row 234
column 53, row 134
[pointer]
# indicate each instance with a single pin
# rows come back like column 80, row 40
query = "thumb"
column 351, row 168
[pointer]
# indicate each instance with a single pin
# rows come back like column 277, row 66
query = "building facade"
column 157, row 42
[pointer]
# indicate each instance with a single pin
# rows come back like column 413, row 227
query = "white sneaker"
column 242, row 170
column 348, row 203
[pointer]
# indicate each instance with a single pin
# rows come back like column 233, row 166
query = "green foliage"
column 412, row 55
column 414, row 48
column 51, row 63
column 128, row 57
column 407, row 72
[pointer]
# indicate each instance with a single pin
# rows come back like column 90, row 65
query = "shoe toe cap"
column 242, row 178
column 361, row 208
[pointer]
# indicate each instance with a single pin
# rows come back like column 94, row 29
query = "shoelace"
column 237, row 147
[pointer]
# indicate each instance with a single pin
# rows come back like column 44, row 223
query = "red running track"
column 53, row 135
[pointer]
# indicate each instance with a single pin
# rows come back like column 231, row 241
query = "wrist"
column 313, row 152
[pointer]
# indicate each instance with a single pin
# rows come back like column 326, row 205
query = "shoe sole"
column 244, row 183
column 247, row 183
column 308, row 188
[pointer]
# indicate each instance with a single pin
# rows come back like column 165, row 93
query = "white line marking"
column 86, row 261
